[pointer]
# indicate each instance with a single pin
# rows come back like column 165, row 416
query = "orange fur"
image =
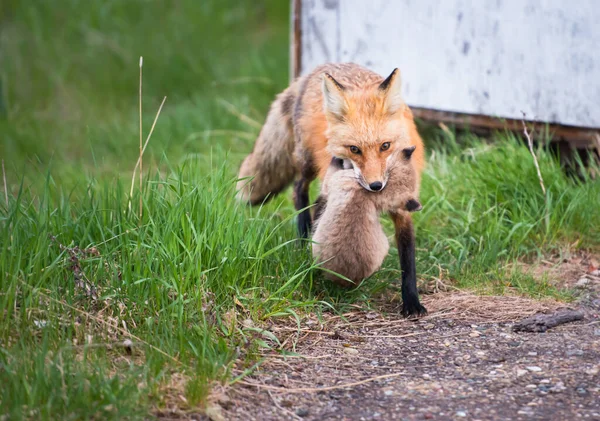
column 298, row 121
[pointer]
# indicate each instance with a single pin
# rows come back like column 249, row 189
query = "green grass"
column 182, row 282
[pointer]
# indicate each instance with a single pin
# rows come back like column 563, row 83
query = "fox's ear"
column 407, row 152
column 334, row 100
column 391, row 89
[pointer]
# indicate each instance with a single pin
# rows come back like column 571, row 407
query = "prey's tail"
column 270, row 167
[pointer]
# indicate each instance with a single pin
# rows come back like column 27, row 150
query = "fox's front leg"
column 405, row 239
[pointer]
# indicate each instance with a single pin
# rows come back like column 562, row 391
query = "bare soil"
column 462, row 361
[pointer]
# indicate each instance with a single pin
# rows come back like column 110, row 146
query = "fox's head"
column 366, row 126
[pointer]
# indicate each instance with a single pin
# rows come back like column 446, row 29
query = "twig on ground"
column 281, row 408
column 81, row 281
column 543, row 322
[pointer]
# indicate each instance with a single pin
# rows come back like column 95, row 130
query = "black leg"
column 301, row 202
column 405, row 237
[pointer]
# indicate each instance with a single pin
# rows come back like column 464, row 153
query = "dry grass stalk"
column 535, row 161
column 103, row 322
column 5, row 186
column 319, row 389
column 243, row 117
column 144, row 149
column 141, row 140
column 496, row 309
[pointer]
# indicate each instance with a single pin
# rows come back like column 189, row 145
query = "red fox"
column 346, row 214
column 343, row 111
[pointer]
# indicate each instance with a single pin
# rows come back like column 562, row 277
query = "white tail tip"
column 141, row 61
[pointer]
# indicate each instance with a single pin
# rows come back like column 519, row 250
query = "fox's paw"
column 412, row 308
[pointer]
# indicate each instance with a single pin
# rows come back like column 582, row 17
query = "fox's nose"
column 376, row 186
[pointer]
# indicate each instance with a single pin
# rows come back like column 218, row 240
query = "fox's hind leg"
column 405, row 239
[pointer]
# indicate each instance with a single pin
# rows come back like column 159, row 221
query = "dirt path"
column 463, row 361
column 445, row 366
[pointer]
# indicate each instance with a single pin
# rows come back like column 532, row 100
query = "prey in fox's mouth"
column 374, row 187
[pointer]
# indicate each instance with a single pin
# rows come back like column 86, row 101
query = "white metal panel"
column 490, row 57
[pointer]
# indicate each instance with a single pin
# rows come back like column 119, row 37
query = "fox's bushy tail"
column 270, row 167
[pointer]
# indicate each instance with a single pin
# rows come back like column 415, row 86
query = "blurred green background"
column 69, row 79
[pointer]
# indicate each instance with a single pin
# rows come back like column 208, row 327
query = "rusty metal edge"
column 578, row 137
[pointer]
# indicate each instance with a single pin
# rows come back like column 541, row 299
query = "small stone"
column 558, row 387
column 574, row 352
column 351, row 351
column 532, row 354
column 534, row 369
column 302, row 412
column 521, row 372
column 461, row 414
column 531, row 386
column 582, row 282
column 597, row 332
column 596, row 272
column 388, row 392
column 592, row 371
column 426, row 376
column 474, row 334
column 545, row 381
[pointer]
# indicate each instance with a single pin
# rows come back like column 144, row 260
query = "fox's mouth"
column 365, row 185
column 348, row 164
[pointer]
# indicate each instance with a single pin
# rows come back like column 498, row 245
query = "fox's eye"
column 355, row 150
column 385, row 146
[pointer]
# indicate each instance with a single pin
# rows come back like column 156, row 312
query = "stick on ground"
column 543, row 322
